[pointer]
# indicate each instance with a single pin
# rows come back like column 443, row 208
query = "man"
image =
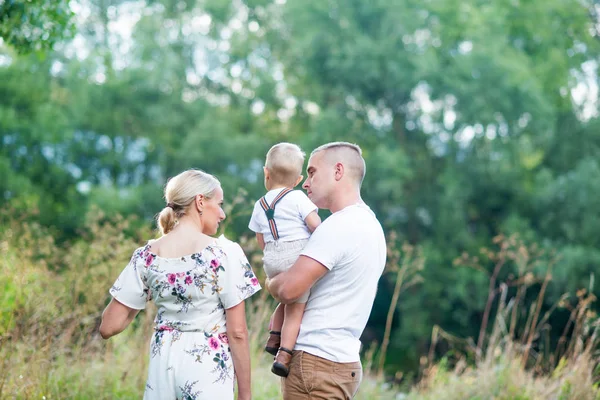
column 341, row 265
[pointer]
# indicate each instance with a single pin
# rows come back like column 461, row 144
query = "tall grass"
column 515, row 359
column 51, row 298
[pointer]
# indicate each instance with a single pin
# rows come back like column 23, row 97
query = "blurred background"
column 479, row 122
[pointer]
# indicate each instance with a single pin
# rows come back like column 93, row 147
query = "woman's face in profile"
column 212, row 213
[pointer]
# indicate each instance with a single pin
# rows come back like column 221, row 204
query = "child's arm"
column 261, row 239
column 312, row 220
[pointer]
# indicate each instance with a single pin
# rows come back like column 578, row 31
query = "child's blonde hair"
column 285, row 162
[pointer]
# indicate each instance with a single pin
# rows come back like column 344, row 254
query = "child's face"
column 266, row 181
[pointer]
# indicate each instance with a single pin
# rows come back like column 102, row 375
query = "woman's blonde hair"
column 180, row 192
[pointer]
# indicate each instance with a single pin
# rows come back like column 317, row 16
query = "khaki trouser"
column 313, row 377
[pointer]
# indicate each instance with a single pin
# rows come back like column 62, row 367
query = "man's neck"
column 344, row 201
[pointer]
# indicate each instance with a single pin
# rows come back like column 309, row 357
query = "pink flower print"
column 215, row 264
column 180, row 274
column 188, row 280
column 254, row 281
column 172, row 278
column 223, row 338
column 165, row 328
column 149, row 260
column 213, row 343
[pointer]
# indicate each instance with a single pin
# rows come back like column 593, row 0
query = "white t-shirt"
column 290, row 213
column 351, row 244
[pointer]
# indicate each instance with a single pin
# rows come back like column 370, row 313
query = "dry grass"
column 51, row 298
column 500, row 375
column 514, row 361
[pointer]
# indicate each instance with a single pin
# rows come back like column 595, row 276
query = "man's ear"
column 339, row 171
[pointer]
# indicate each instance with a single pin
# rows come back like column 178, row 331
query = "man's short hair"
column 349, row 154
column 285, row 162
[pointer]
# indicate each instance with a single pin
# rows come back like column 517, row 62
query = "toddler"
column 283, row 220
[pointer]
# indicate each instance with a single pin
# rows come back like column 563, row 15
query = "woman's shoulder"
column 142, row 255
column 230, row 249
column 144, row 249
column 227, row 245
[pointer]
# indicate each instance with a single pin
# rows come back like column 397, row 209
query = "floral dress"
column 189, row 352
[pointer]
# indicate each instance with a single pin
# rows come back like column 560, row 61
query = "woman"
column 199, row 285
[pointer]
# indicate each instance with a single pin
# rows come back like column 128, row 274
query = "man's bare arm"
column 288, row 286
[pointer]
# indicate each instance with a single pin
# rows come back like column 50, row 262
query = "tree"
column 34, row 25
column 459, row 106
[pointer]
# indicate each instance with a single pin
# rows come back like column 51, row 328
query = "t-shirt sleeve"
column 254, row 225
column 305, row 206
column 327, row 245
column 129, row 288
column 236, row 278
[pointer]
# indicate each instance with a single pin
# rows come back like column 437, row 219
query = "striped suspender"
column 270, row 211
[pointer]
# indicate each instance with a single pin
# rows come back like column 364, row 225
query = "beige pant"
column 280, row 256
column 313, row 377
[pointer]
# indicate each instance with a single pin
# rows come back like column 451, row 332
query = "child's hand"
column 267, row 284
column 268, row 287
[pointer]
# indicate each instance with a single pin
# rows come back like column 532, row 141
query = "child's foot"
column 281, row 365
column 273, row 342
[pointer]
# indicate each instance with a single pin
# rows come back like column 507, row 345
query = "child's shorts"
column 280, row 256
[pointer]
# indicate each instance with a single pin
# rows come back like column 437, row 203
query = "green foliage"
column 469, row 115
column 35, row 25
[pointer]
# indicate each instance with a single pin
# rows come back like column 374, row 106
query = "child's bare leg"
column 291, row 324
column 289, row 335
column 275, row 325
column 277, row 318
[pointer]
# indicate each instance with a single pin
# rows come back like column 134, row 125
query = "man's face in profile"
column 318, row 180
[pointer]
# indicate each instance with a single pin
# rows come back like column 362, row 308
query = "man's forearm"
column 281, row 290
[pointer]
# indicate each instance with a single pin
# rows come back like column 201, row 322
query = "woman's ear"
column 199, row 202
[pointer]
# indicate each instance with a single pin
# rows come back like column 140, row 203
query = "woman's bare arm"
column 237, row 334
column 115, row 318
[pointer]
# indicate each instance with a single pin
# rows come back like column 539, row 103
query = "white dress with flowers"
column 189, row 352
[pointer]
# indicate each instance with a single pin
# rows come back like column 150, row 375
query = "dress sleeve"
column 236, row 279
column 129, row 288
